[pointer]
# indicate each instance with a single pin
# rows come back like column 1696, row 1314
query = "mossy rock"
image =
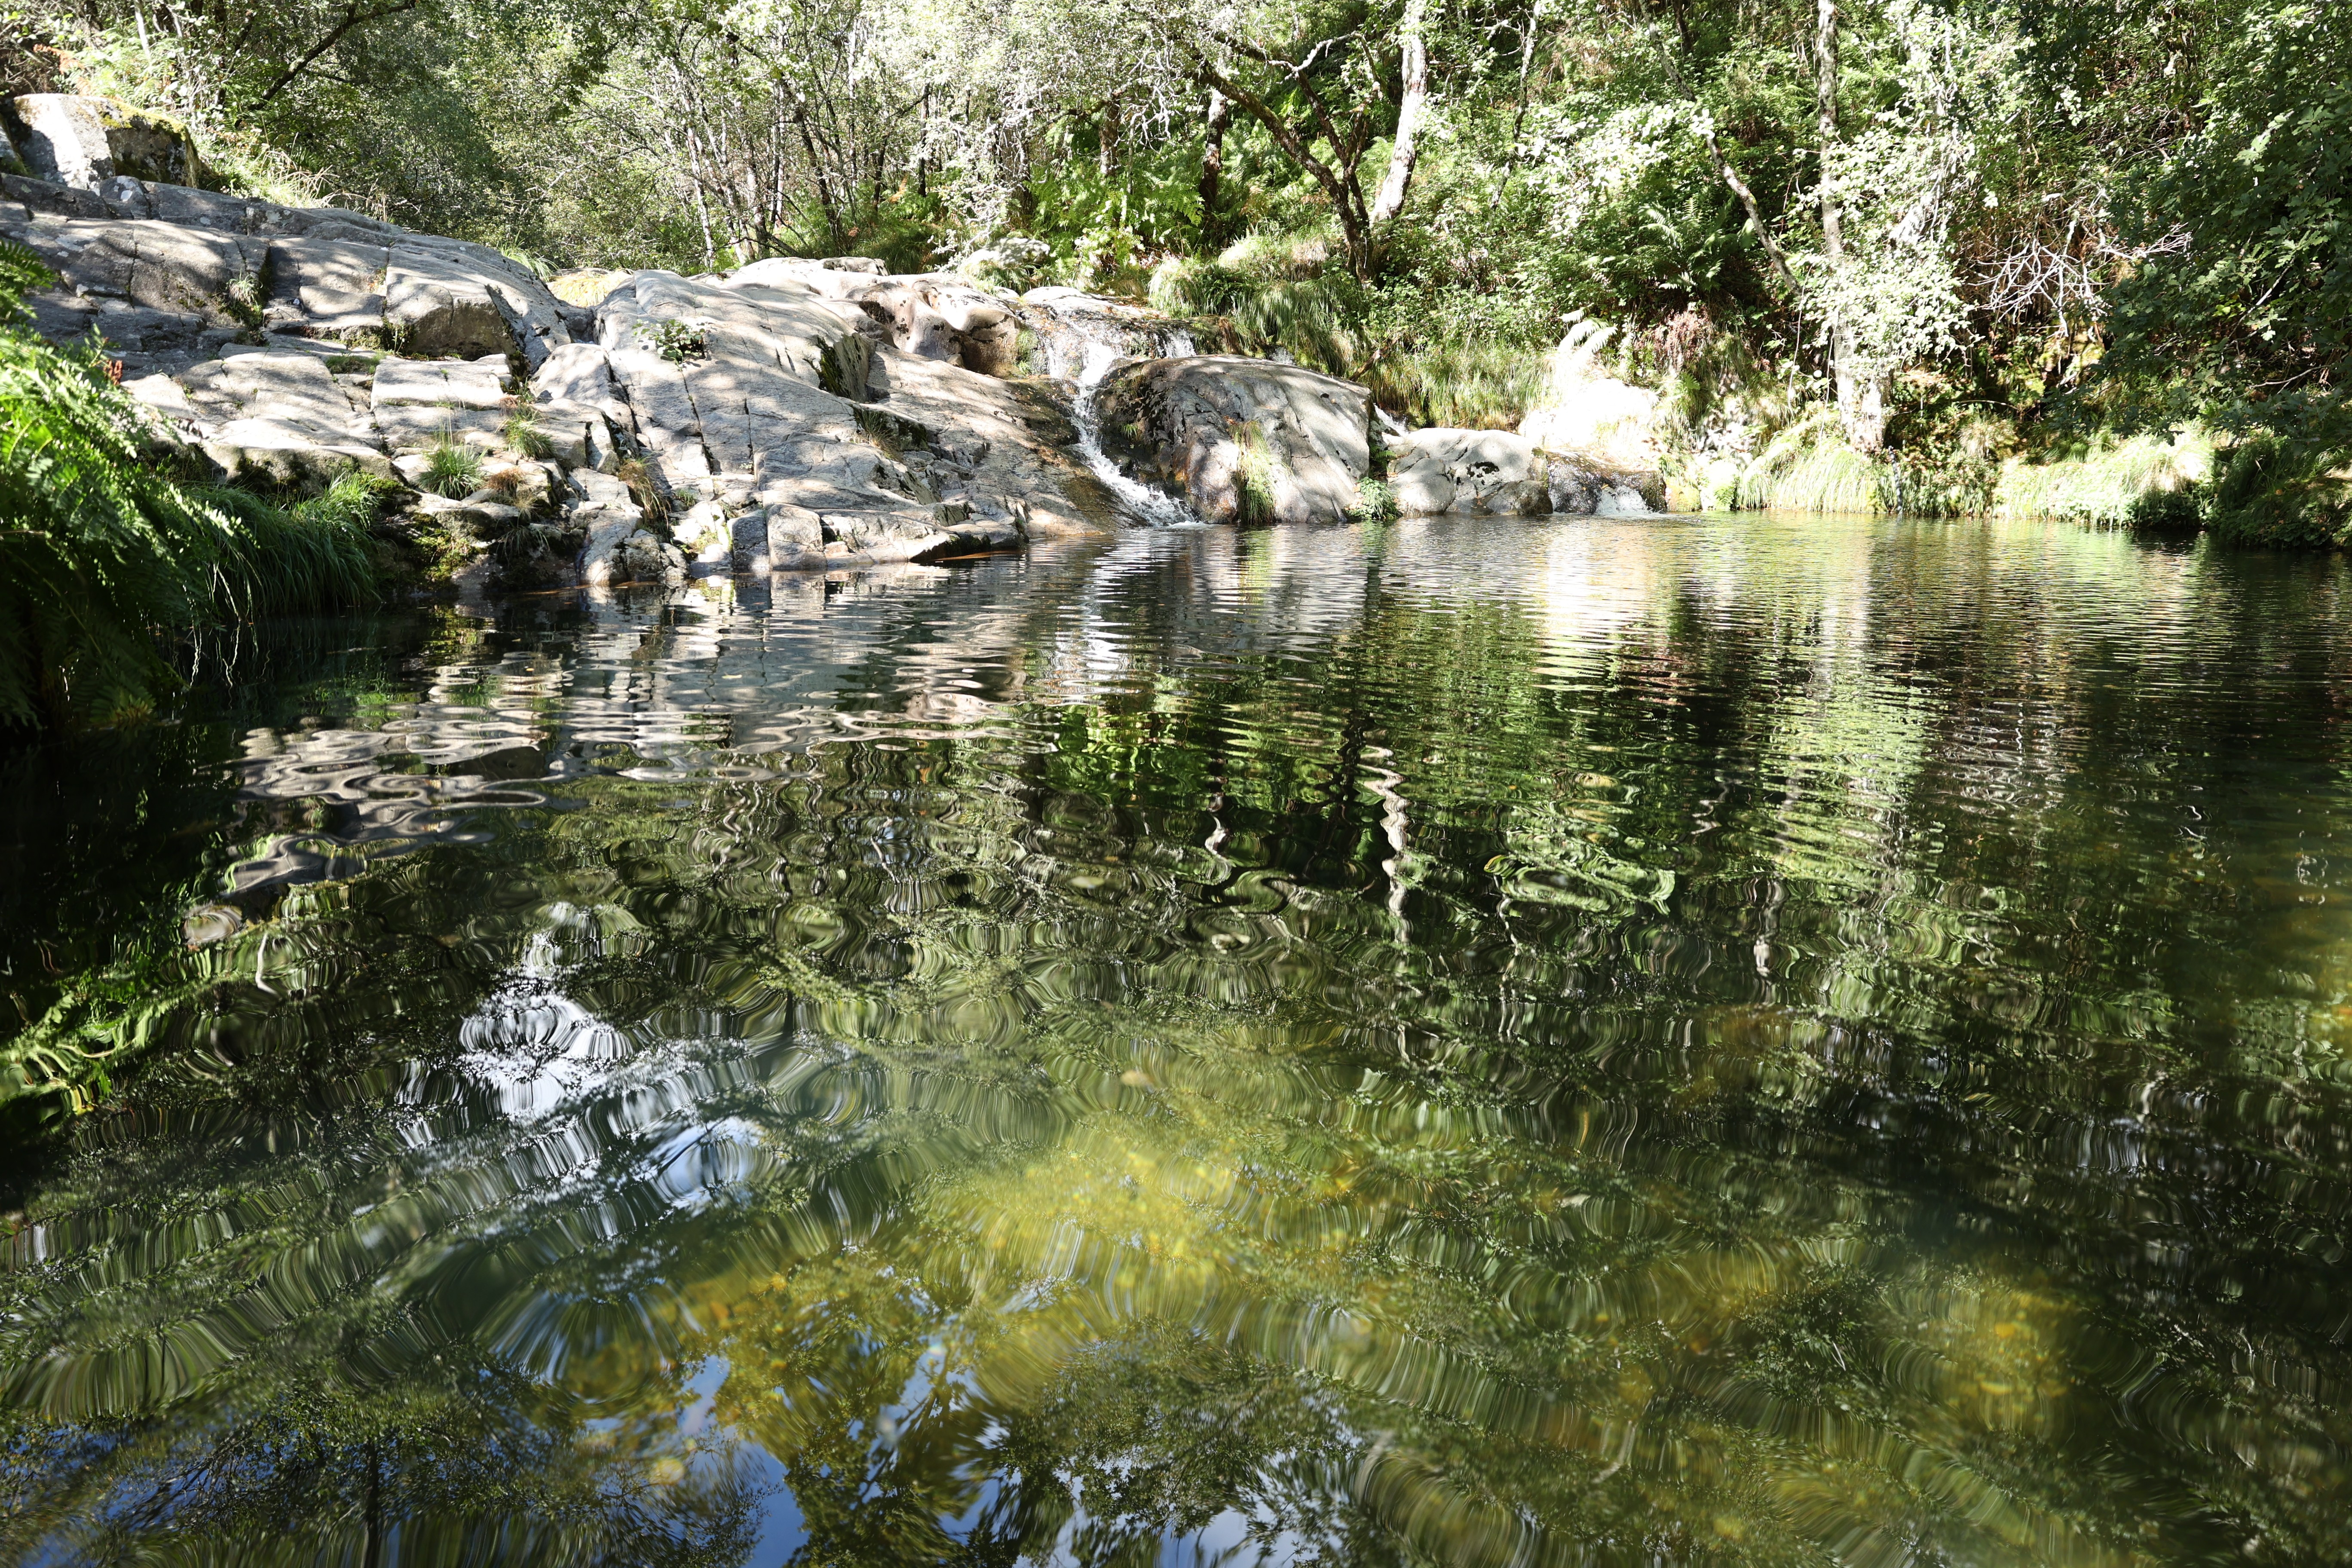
column 84, row 141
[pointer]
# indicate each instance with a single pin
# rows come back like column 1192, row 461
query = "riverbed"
column 1460, row 1041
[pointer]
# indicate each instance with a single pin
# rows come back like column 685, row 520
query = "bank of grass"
column 1286, row 293
column 1808, row 467
column 2105, row 482
column 2109, row 482
column 110, row 561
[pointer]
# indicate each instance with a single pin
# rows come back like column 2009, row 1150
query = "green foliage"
column 1808, row 467
column 106, row 556
column 1466, row 381
column 2021, row 187
column 1376, row 501
column 452, row 468
column 524, row 434
column 2277, row 491
column 1444, row 356
column 2102, row 481
column 1254, row 478
column 2169, row 512
column 1269, row 293
column 676, row 341
column 313, row 552
column 2243, row 306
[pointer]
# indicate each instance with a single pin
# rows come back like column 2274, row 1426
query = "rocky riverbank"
column 643, row 427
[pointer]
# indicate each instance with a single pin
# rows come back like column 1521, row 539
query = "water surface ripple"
column 1464, row 1042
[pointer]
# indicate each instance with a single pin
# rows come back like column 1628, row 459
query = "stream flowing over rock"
column 647, row 427
column 1241, row 441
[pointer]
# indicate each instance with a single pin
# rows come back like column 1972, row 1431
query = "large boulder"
column 86, row 141
column 1491, row 472
column 279, row 420
column 579, row 407
column 1241, row 441
column 48, row 199
column 162, row 266
column 144, row 340
column 934, row 316
column 999, row 449
column 421, row 404
column 444, row 297
column 328, row 288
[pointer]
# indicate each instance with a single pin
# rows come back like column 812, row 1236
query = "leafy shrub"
column 2274, row 492
column 676, row 341
column 2176, row 512
column 1376, row 501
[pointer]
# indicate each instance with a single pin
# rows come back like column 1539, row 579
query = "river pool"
column 1468, row 1042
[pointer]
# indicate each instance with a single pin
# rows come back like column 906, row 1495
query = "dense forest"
column 1948, row 257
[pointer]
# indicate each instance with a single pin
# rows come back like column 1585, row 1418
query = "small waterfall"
column 1162, row 510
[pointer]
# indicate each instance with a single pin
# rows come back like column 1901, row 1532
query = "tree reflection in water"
column 1465, row 1043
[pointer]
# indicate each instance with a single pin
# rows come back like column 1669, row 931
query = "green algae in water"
column 1457, row 1043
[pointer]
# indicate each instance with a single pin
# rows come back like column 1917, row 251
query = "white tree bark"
column 1410, row 111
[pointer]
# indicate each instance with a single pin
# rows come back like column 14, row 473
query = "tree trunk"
column 1339, row 183
column 1212, row 167
column 1861, row 390
column 1413, row 57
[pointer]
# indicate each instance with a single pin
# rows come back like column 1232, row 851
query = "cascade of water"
column 1157, row 508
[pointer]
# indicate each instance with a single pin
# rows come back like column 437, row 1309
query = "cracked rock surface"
column 792, row 415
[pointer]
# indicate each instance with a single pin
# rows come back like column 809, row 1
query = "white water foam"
column 1156, row 507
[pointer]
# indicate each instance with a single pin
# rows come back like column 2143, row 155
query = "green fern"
column 106, row 558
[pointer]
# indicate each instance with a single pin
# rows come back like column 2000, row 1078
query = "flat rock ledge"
column 604, row 428
column 790, row 416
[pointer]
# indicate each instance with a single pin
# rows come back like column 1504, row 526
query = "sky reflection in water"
column 1466, row 1042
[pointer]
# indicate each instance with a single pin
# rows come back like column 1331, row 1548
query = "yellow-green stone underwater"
column 1460, row 1041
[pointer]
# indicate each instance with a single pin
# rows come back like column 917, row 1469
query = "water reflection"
column 1463, row 1042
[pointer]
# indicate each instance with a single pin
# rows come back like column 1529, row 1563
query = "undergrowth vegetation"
column 1969, row 257
column 114, row 566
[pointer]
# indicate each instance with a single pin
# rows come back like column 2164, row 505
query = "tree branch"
column 353, row 17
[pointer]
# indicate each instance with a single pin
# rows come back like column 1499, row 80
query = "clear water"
column 1470, row 1042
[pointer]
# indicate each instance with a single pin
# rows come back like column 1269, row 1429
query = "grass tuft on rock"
column 452, row 468
column 525, row 435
